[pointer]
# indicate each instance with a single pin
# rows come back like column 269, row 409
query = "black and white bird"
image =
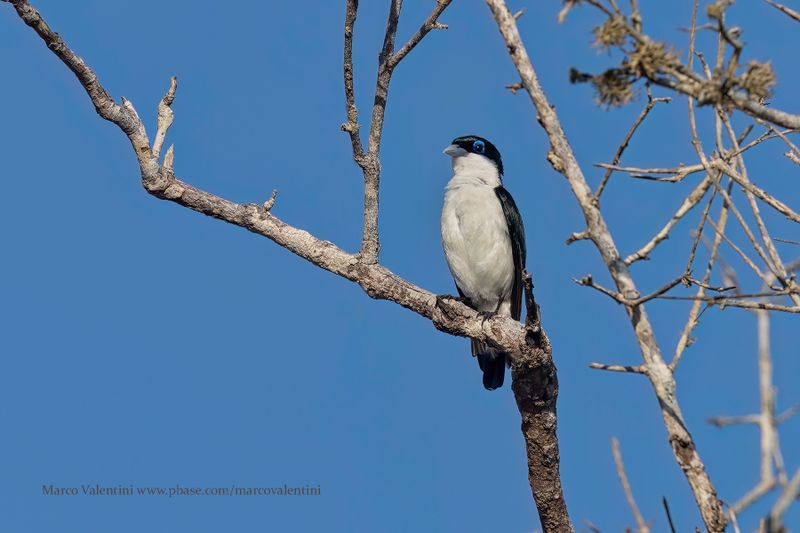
column 484, row 241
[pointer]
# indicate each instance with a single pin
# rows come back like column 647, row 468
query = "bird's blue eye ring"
column 479, row 147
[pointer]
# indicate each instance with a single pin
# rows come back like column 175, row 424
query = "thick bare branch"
column 534, row 379
column 562, row 158
column 536, row 391
column 447, row 314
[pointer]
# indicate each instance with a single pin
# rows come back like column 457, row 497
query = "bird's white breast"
column 476, row 242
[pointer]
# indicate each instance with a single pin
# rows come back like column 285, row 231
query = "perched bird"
column 484, row 241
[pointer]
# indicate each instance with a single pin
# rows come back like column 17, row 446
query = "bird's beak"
column 454, row 151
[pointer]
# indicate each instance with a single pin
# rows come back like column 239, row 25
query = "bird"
column 484, row 242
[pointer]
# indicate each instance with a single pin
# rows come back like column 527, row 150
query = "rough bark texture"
column 563, row 161
column 535, row 387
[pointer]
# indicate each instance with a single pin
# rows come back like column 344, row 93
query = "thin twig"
column 749, row 233
column 790, row 493
column 724, row 301
column 749, row 262
column 694, row 313
column 753, row 495
column 722, row 421
column 636, row 369
column 688, row 203
column 788, row 413
column 669, row 515
column 651, row 102
column 795, row 15
column 757, row 191
column 431, row 23
column 626, row 487
column 772, row 250
column 734, row 521
column 351, row 126
column 674, row 174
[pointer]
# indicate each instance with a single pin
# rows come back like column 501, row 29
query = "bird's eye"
column 479, row 147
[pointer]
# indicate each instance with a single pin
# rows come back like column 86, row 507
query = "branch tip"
column 169, row 159
column 514, row 87
column 165, row 116
column 577, row 236
column 634, row 369
column 271, row 201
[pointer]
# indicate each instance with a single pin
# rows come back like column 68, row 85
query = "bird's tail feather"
column 492, row 362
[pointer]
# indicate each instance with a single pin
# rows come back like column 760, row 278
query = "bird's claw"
column 441, row 297
column 486, row 315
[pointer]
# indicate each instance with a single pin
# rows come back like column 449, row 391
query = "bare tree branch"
column 766, row 419
column 676, row 174
column 562, row 158
column 651, row 102
column 351, row 126
column 641, row 525
column 429, row 24
column 688, row 203
column 785, row 10
column 369, row 161
column 534, row 378
column 790, row 493
column 378, row 282
column 755, row 190
column 638, row 369
column 725, row 301
column 722, row 421
column 535, row 388
column 165, row 117
column 685, row 340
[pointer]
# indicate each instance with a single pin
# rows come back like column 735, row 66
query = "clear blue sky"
column 146, row 344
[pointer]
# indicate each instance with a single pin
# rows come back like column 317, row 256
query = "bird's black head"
column 480, row 146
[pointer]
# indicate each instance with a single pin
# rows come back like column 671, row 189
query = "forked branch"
column 534, row 379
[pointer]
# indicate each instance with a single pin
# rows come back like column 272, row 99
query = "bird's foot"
column 486, row 315
column 440, row 298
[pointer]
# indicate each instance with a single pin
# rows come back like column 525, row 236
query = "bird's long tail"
column 493, row 363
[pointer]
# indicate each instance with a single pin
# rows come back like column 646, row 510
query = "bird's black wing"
column 516, row 232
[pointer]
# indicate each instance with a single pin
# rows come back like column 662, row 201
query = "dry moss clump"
column 758, row 80
column 612, row 32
